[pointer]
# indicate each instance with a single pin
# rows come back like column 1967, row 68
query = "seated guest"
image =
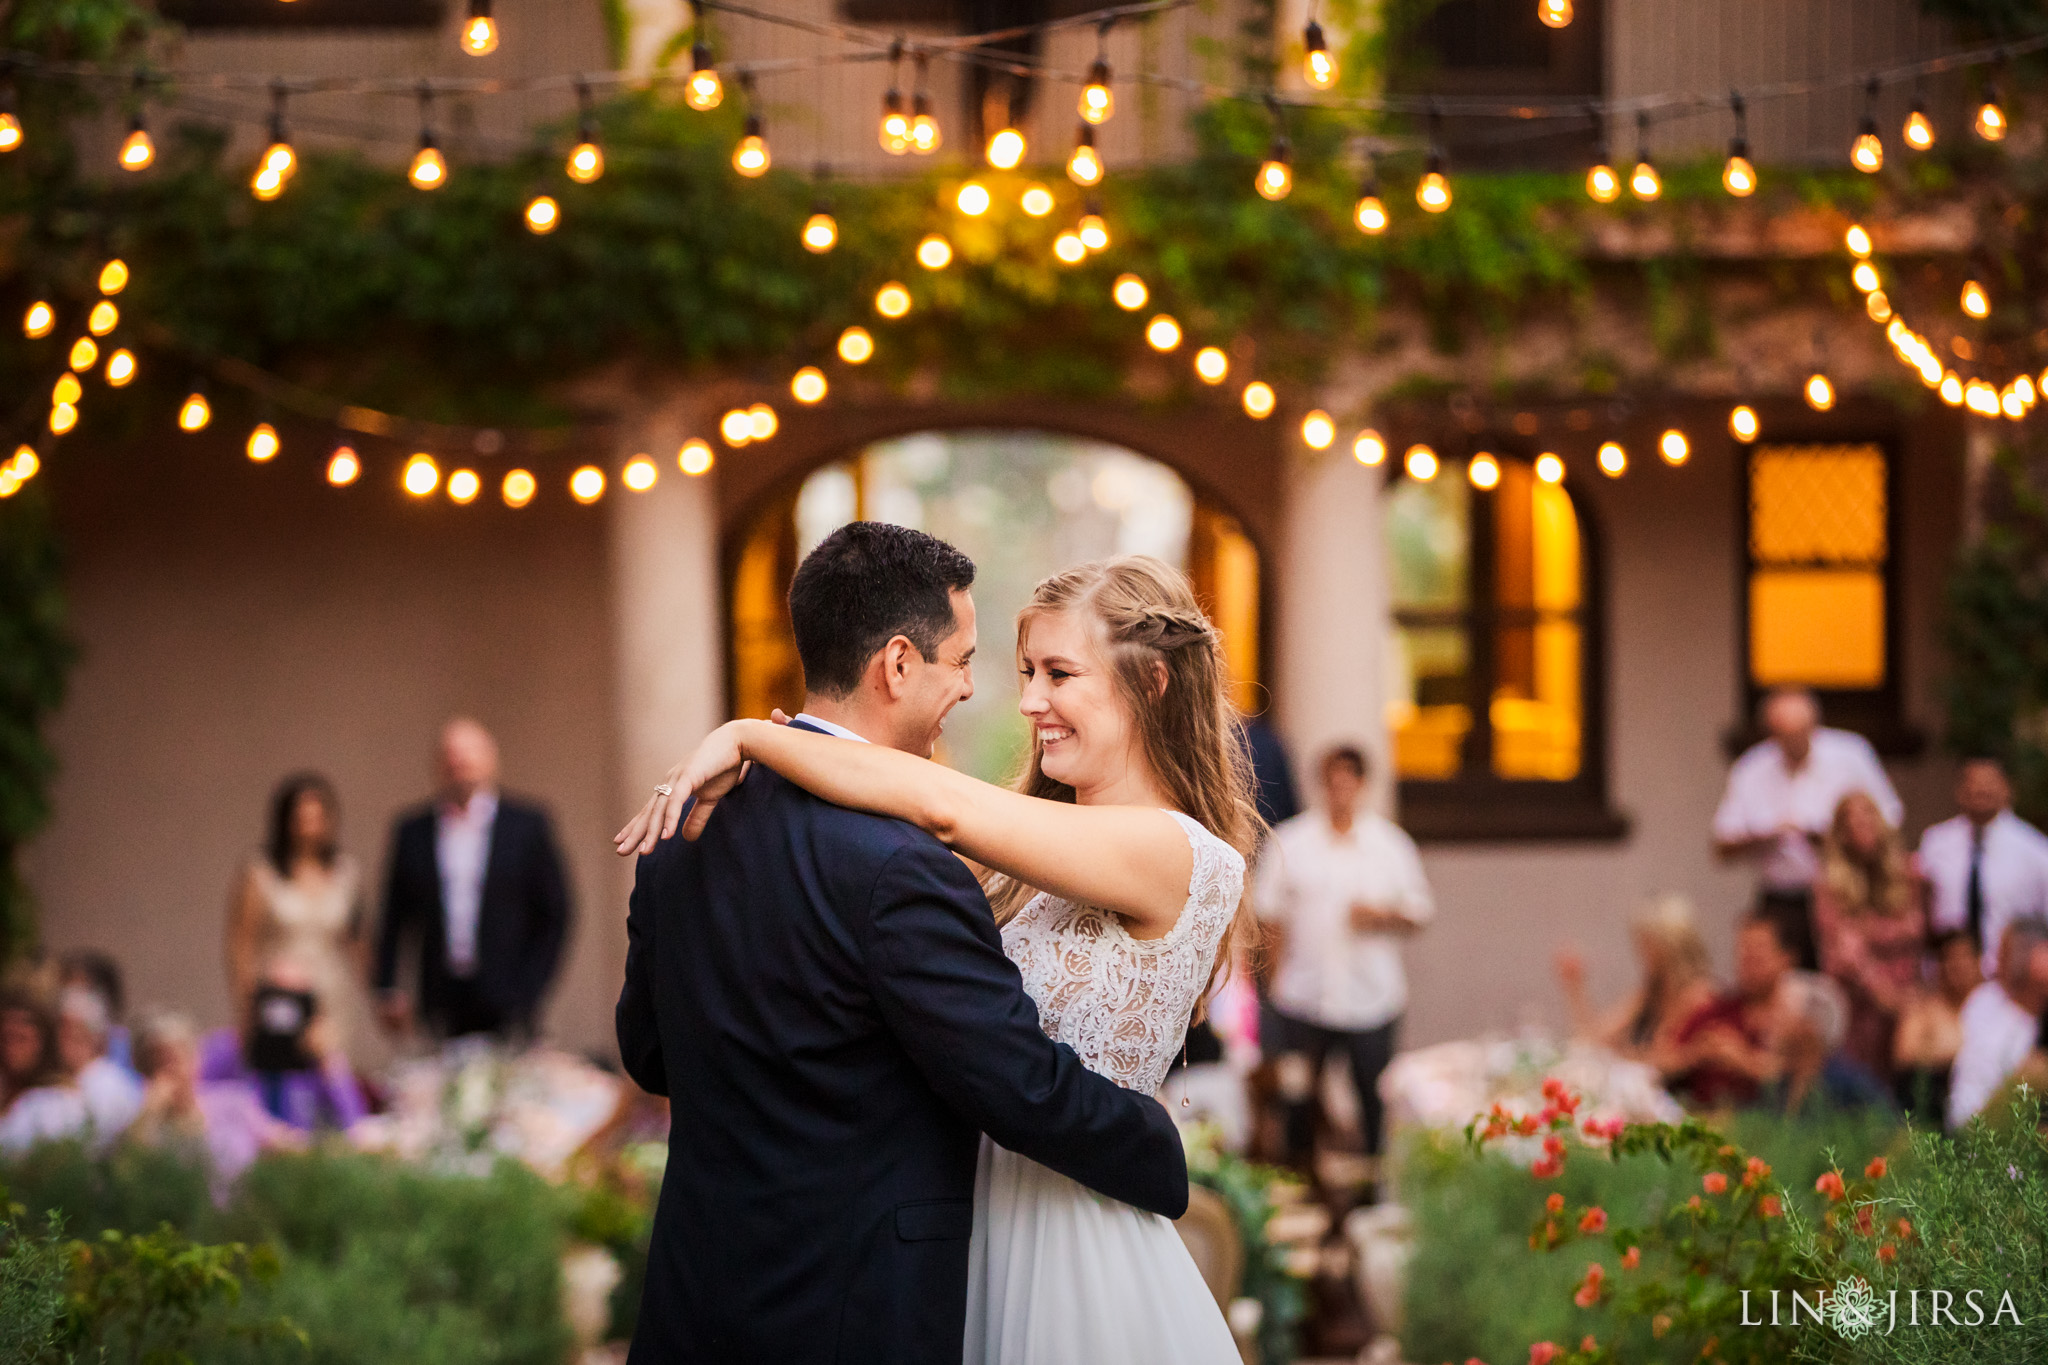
column 1930, row 1029
column 42, row 1104
column 2001, row 1021
column 1814, row 1072
column 1722, row 1054
column 288, row 1053
column 223, row 1119
column 1868, row 920
column 92, row 970
column 1643, row 1025
column 113, row 1095
column 1985, row 867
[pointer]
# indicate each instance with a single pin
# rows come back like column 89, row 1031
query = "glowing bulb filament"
column 1554, row 13
column 821, row 233
column 1006, row 149
column 586, row 163
column 1434, row 192
column 1738, row 177
column 1603, row 186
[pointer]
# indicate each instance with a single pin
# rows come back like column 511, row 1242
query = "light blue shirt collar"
column 829, row 728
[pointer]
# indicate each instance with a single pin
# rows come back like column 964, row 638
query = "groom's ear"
column 894, row 661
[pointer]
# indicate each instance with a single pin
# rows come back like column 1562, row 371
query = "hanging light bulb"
column 1433, row 191
column 262, row 445
column 1483, row 471
column 1084, row 167
column 925, row 134
column 821, row 231
column 1554, row 13
column 344, row 466
column 103, row 319
column 1369, row 448
column 266, row 184
column 113, row 276
column 892, row 300
column 63, row 417
column 1098, row 101
column 1006, row 149
column 1549, row 468
column 1258, row 400
column 695, row 458
column 1820, row 392
column 1037, row 201
column 1919, row 131
column 67, row 390
column 750, row 158
column 1738, row 175
column 1420, row 463
column 736, row 428
column 1612, row 459
column 1864, row 276
column 1369, row 213
column 934, row 252
column 586, row 158
column 1975, row 301
column 1212, row 366
column 1093, row 229
column 2011, row 404
column 194, row 413
column 2024, row 387
column 640, row 474
column 1276, row 177
column 1129, row 292
column 1603, row 186
column 543, row 215
column 586, row 485
column 1318, row 431
column 1742, row 422
column 1674, row 447
column 479, row 33
column 10, row 123
column 39, row 321
column 703, row 91
column 137, row 151
column 808, row 385
column 1980, row 398
column 1069, row 249
column 762, row 421
column 1866, row 154
column 1163, row 333
column 1877, row 306
column 973, row 199
column 894, row 131
column 1990, row 122
column 1857, row 239
column 278, row 161
column 518, row 488
column 120, row 368
column 85, row 353
column 1318, row 66
column 1952, row 389
column 856, row 346
column 429, row 171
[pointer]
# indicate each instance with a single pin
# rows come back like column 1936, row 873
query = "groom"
column 823, row 996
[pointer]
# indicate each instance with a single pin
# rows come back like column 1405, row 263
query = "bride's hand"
column 715, row 769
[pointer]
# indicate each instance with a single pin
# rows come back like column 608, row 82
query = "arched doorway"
column 1022, row 503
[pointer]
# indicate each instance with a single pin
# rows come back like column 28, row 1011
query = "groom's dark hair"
column 865, row 584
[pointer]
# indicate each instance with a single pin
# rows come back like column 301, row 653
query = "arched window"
column 1494, row 690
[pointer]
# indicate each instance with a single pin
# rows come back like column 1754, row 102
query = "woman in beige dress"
column 300, row 900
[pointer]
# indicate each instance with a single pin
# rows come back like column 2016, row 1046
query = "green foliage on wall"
column 35, row 653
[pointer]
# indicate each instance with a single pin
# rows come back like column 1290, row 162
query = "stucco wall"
column 239, row 622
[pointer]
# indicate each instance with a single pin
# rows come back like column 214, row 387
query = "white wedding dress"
column 1057, row 1274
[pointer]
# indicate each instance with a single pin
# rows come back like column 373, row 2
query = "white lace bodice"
column 1121, row 1003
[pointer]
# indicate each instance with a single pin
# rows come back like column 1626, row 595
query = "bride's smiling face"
column 1070, row 696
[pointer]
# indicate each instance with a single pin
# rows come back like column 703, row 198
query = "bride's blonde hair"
column 1146, row 617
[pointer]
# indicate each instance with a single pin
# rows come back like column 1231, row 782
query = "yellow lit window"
column 1818, row 556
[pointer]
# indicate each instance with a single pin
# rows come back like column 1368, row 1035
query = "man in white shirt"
column 1986, row 867
column 1780, row 799
column 2001, row 1021
column 1340, row 887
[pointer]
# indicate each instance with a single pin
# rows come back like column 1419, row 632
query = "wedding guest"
column 1984, row 865
column 1867, row 912
column 41, row 1102
column 112, row 1093
column 476, row 890
column 1722, row 1054
column 1271, row 770
column 223, row 1119
column 287, row 1051
column 92, row 970
column 1930, row 1029
column 300, row 897
column 2001, row 1021
column 1780, row 797
column 1677, row 981
column 1339, row 888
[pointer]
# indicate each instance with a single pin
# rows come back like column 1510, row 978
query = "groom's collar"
column 806, row 718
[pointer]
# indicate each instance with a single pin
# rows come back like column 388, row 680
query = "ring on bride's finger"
column 664, row 790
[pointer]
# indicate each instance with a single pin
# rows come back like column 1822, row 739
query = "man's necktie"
column 1973, row 894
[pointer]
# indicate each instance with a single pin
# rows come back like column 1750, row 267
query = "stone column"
column 1332, row 613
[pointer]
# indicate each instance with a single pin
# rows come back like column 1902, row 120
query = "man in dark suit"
column 476, row 890
column 823, row 996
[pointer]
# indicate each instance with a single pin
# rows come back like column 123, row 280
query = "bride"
column 1116, row 870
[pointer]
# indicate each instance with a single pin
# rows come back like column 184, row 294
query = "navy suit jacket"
column 823, row 996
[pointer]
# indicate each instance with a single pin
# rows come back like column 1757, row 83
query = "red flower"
column 1587, row 1344
column 1887, row 1253
column 1543, row 1352
column 1547, row 1167
column 1770, row 1206
column 1595, row 1221
column 1553, row 1145
column 1876, row 1169
column 1631, row 1258
column 1589, row 1288
column 1905, row 1230
column 1865, row 1224
column 1714, row 1183
column 1603, row 1130
column 1830, row 1184
column 1555, row 1203
column 1694, row 1204
column 1754, row 1173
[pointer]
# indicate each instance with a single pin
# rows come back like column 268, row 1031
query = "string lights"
column 479, row 30
column 344, row 466
column 1420, row 463
column 973, row 199
column 1318, row 430
column 278, row 161
column 1990, row 121
column 1369, row 448
column 1554, row 13
column 1318, row 65
column 39, row 321
column 1738, row 176
column 751, row 157
column 1369, row 214
column 1742, row 422
column 925, row 133
column 934, row 252
column 1212, row 366
column 1162, row 333
column 1644, row 182
column 1612, row 459
column 1918, row 130
column 10, row 122
column 1006, row 146
column 1483, row 471
column 1433, row 191
column 1259, row 400
column 543, row 215
column 1129, row 292
column 1275, row 180
column 1093, row 229
column 1603, row 186
column 1098, row 100
column 1084, row 167
column 429, row 170
column 703, row 91
column 894, row 130
column 856, row 346
column 586, row 158
column 1866, row 154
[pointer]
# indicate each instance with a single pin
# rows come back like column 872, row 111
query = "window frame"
column 1878, row 714
column 1476, row 804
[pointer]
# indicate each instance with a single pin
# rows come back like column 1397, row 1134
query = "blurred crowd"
column 475, row 911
